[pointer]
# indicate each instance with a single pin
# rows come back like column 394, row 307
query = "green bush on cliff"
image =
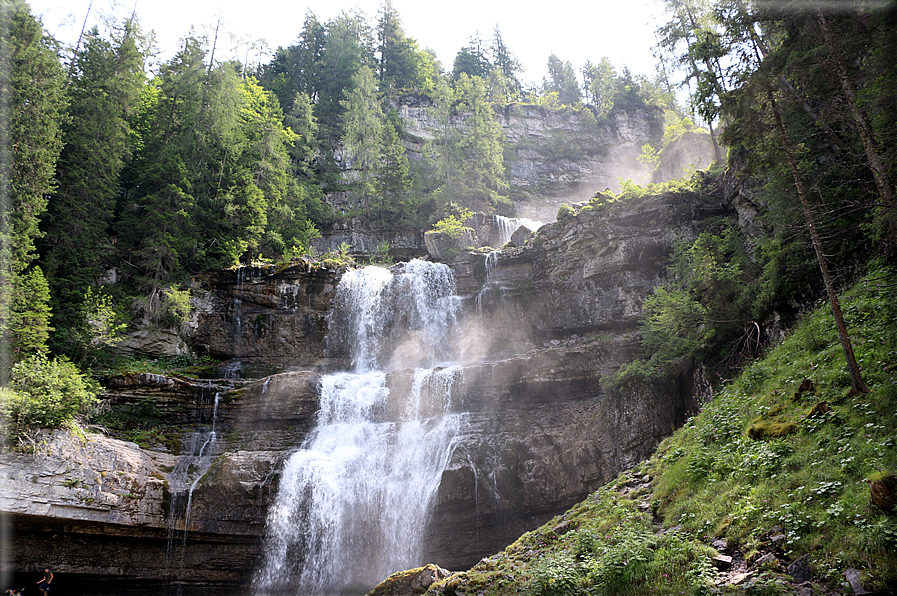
column 565, row 211
column 44, row 393
column 453, row 226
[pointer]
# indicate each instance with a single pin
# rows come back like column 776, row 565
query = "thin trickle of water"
column 476, row 497
column 198, row 452
column 203, row 463
column 354, row 499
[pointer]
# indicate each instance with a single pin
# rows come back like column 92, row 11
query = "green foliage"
column 399, row 66
column 452, row 225
column 44, row 393
column 565, row 211
column 176, row 306
column 33, row 110
column 703, row 312
column 599, row 82
column 649, row 157
column 339, row 258
column 105, row 323
column 30, row 314
column 467, row 169
column 613, row 550
column 363, row 123
column 711, row 479
column 105, row 89
column 562, row 81
column 556, row 576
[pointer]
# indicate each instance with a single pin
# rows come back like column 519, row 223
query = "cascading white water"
column 354, row 500
column 506, row 226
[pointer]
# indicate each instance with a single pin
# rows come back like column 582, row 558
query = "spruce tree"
column 363, row 124
column 32, row 108
column 105, row 85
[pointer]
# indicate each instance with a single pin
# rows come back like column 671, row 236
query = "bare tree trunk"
column 856, row 378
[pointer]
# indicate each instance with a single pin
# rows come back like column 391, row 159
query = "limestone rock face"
column 442, row 246
column 103, row 514
column 94, row 479
column 402, row 245
column 556, row 156
column 154, row 342
column 589, row 272
column 264, row 312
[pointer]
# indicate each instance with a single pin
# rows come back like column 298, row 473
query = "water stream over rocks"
column 354, row 499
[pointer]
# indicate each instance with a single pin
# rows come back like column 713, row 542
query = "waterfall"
column 502, row 228
column 353, row 501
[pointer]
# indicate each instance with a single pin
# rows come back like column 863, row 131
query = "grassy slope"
column 726, row 474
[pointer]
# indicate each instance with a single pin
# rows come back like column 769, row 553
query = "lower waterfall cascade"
column 354, row 499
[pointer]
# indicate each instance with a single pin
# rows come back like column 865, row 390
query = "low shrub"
column 44, row 393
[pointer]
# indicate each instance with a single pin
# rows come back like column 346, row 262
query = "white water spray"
column 355, row 499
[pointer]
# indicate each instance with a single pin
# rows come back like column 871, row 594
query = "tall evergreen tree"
column 348, row 47
column 471, row 60
column 394, row 176
column 363, row 124
column 32, row 109
column 299, row 67
column 469, row 166
column 105, row 86
column 507, row 66
column 398, row 61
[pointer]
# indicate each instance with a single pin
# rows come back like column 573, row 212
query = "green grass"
column 771, row 452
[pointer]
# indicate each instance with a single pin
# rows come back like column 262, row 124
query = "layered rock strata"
column 545, row 323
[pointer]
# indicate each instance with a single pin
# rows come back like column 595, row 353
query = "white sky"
column 575, row 30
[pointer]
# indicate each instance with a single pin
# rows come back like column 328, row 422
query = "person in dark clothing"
column 44, row 584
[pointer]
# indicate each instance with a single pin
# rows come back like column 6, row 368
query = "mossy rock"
column 411, row 582
column 765, row 428
column 883, row 489
column 818, row 410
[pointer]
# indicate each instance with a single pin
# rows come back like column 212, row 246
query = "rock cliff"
column 546, row 321
column 553, row 156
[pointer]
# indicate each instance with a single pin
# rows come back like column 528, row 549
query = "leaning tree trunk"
column 856, row 378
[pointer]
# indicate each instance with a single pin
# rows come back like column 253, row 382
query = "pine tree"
column 105, row 86
column 363, row 124
column 32, row 109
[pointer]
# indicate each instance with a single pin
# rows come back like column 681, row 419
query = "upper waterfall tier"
column 397, row 318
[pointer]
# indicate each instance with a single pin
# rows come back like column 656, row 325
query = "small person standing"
column 44, row 584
